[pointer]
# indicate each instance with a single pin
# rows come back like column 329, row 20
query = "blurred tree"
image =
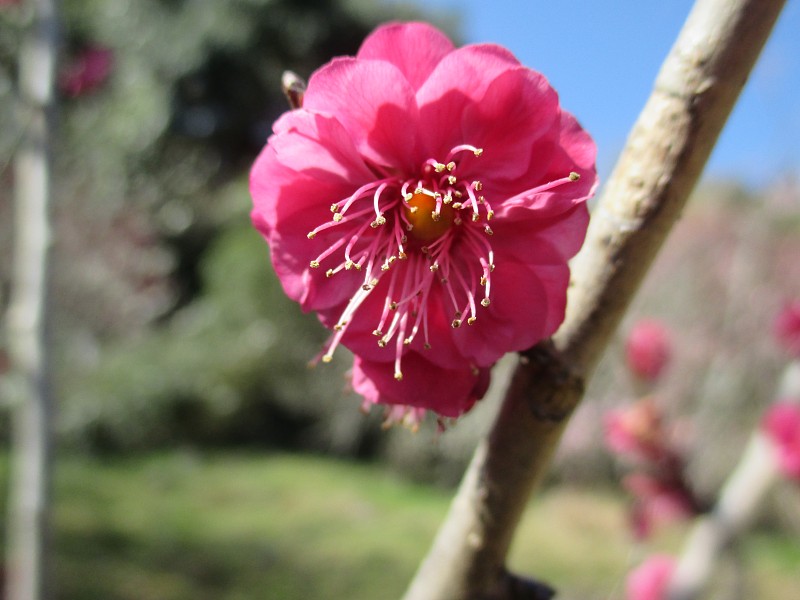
column 164, row 104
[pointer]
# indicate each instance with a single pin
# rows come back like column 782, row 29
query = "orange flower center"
column 429, row 223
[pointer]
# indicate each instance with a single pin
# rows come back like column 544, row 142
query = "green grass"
column 234, row 527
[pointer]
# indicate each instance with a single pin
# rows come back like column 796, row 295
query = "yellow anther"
column 314, row 264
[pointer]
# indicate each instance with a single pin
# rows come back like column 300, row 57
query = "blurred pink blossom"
column 648, row 349
column 656, row 502
column 424, row 201
column 650, row 579
column 782, row 424
column 636, row 430
column 787, row 328
column 86, row 71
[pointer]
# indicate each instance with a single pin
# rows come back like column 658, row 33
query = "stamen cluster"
column 417, row 221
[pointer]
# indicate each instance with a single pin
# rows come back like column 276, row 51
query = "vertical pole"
column 29, row 502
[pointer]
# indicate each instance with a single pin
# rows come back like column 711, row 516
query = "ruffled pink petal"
column 288, row 204
column 516, row 111
column 318, row 145
column 414, row 48
column 375, row 104
column 575, row 152
column 461, row 78
column 538, row 240
column 449, row 392
column 527, row 305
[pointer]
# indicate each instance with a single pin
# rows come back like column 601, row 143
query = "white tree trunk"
column 29, row 502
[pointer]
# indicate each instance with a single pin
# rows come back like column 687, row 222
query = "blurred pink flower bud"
column 636, row 430
column 648, row 349
column 656, row 502
column 649, row 580
column 787, row 328
column 86, row 71
column 782, row 424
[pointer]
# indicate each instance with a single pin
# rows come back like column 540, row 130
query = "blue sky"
column 602, row 57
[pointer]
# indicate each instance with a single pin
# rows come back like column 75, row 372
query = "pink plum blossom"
column 424, row 201
column 86, row 71
column 656, row 502
column 787, row 328
column 637, row 430
column 650, row 579
column 782, row 425
column 648, row 349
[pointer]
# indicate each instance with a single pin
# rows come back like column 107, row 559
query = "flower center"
column 426, row 221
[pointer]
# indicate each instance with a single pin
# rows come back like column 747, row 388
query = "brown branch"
column 693, row 95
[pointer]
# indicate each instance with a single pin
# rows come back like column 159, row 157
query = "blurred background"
column 198, row 455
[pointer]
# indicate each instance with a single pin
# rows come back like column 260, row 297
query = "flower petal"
column 518, row 109
column 414, row 48
column 307, row 165
column 375, row 104
column 319, row 146
column 528, row 305
column 461, row 78
column 534, row 238
column 449, row 392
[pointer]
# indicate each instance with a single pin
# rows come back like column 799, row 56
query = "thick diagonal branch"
column 693, row 95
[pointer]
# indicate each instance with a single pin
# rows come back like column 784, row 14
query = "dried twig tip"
column 294, row 88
